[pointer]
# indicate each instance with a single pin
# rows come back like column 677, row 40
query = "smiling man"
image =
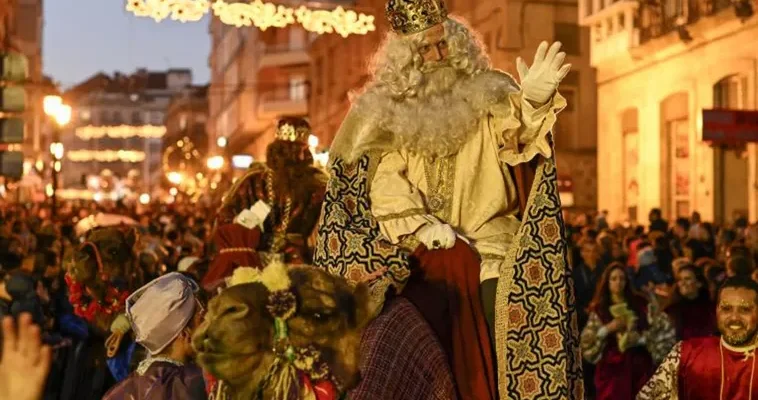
column 715, row 367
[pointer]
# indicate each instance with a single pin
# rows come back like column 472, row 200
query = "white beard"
column 442, row 114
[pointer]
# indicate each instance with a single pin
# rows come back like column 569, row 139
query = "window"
column 105, row 118
column 183, row 122
column 156, row 118
column 136, row 118
column 298, row 88
column 569, row 35
column 85, row 115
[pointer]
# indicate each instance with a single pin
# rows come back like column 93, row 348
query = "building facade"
column 21, row 31
column 117, row 129
column 186, row 143
column 256, row 77
column 658, row 67
column 508, row 30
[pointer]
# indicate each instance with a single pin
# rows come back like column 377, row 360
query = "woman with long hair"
column 624, row 336
column 692, row 311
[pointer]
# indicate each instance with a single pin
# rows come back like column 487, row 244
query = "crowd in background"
column 33, row 245
column 667, row 273
column 671, row 269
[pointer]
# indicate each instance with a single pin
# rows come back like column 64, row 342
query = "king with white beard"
column 424, row 162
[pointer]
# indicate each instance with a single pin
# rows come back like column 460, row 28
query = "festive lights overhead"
column 120, row 132
column 262, row 15
column 130, row 156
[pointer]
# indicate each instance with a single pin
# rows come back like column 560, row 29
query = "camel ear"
column 366, row 306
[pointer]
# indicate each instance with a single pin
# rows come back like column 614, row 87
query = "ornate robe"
column 239, row 246
column 704, row 369
column 367, row 233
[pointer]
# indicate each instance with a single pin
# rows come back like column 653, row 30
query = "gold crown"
column 412, row 16
column 289, row 133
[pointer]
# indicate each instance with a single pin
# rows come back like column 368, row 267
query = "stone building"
column 118, row 125
column 256, row 77
column 658, row 66
column 21, row 31
column 508, row 29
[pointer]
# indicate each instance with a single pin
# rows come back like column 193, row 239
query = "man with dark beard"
column 425, row 198
column 272, row 210
column 715, row 367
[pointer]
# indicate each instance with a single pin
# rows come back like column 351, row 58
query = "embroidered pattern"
column 440, row 182
column 352, row 245
column 665, row 383
column 536, row 329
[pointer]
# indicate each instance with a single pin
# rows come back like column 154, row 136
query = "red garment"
column 694, row 318
column 700, row 372
column 620, row 376
column 235, row 247
column 446, row 292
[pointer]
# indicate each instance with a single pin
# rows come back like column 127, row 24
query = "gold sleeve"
column 522, row 130
column 592, row 340
column 660, row 337
column 396, row 204
column 664, row 385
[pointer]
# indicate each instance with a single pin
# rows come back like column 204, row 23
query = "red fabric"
column 700, row 372
column 447, row 294
column 237, row 238
column 694, row 318
column 620, row 376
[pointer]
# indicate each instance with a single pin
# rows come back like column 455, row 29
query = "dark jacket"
column 161, row 381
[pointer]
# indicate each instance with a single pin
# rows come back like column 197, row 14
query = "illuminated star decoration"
column 257, row 13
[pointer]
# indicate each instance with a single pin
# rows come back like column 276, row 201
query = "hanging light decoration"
column 120, row 132
column 262, row 15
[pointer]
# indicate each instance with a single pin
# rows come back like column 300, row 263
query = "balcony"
column 657, row 19
column 283, row 55
column 612, row 27
column 620, row 28
column 284, row 100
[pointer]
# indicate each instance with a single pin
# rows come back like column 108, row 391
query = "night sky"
column 83, row 37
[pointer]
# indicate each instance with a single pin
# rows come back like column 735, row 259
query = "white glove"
column 120, row 324
column 538, row 82
column 254, row 216
column 437, row 236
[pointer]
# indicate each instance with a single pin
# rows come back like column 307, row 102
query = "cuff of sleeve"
column 602, row 332
column 536, row 124
column 397, row 228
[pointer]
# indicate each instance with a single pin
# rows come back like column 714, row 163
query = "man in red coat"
column 715, row 368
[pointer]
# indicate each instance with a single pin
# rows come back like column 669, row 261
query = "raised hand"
column 539, row 82
column 25, row 362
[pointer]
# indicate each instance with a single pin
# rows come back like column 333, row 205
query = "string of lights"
column 262, row 15
column 120, row 132
column 130, row 156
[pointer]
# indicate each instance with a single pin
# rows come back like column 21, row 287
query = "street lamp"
column 215, row 163
column 61, row 114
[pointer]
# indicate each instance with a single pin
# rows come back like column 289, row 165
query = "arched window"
column 676, row 160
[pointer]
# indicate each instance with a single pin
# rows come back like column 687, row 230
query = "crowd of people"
column 641, row 289
column 383, row 273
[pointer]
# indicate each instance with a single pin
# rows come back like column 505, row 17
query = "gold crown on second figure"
column 289, row 133
column 412, row 16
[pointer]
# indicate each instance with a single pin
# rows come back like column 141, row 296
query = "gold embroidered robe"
column 473, row 190
column 536, row 334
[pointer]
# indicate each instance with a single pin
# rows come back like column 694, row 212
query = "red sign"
column 730, row 126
